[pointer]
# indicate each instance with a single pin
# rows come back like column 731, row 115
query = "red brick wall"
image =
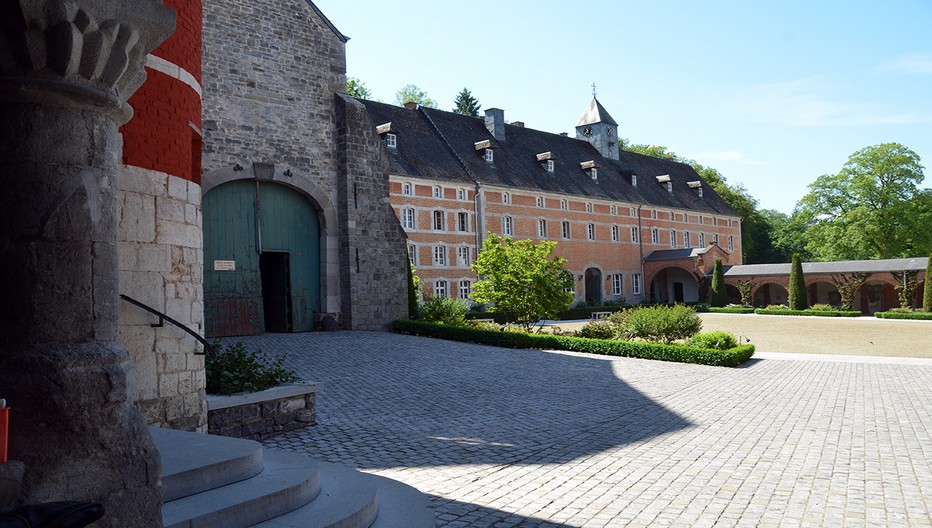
column 164, row 133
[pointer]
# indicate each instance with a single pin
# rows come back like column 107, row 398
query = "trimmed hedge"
column 815, row 313
column 732, row 309
column 570, row 314
column 678, row 353
column 921, row 316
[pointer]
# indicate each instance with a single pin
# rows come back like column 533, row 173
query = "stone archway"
column 593, row 286
column 822, row 292
column 770, row 293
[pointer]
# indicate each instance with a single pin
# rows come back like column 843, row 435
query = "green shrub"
column 733, row 310
column 610, row 347
column 890, row 314
column 799, row 299
column 719, row 297
column 233, row 369
column 484, row 325
column 663, row 324
column 777, row 307
column 822, row 308
column 718, row 340
column 444, row 310
column 927, row 287
column 598, row 330
column 901, row 309
column 786, row 311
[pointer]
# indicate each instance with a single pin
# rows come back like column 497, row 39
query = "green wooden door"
column 241, row 219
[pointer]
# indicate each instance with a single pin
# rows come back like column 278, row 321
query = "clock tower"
column 597, row 127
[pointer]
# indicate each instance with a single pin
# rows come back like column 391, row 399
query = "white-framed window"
column 407, row 189
column 461, row 195
column 440, row 288
column 634, row 180
column 462, row 222
column 715, row 220
column 653, row 214
column 618, row 284
column 462, row 254
column 465, row 289
column 407, row 218
column 729, row 223
column 635, row 284
column 590, row 231
column 564, row 205
column 632, row 212
column 540, row 201
column 686, row 243
column 685, row 218
column 715, row 239
column 615, row 233
column 489, row 155
column 672, row 238
column 634, row 235
column 565, row 231
column 439, row 218
column 506, row 198
column 613, row 210
column 438, row 191
column 654, row 236
column 391, row 141
column 542, row 228
column 508, row 226
column 702, row 240
column 412, row 254
column 594, row 172
column 700, row 192
column 731, row 243
column 550, row 166
column 669, row 186
column 701, row 220
column 440, row 255
column 588, row 207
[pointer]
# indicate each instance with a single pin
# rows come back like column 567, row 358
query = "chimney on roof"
column 411, row 105
column 564, row 134
column 519, row 124
column 495, row 122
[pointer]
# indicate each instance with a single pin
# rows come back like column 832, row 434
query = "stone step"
column 193, row 462
column 288, row 481
column 401, row 506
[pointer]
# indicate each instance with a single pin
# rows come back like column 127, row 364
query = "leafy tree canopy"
column 412, row 94
column 523, row 278
column 872, row 209
column 466, row 104
column 356, row 88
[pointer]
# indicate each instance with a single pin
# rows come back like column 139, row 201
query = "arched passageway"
column 770, row 293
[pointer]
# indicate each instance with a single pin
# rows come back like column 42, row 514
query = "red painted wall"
column 164, row 133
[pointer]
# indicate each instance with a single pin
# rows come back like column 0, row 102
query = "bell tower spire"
column 597, row 127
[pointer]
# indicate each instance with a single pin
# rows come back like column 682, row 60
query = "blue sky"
column 772, row 94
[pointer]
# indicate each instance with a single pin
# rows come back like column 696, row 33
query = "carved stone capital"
column 79, row 52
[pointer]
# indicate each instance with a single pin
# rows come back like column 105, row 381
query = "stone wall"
column 161, row 265
column 263, row 414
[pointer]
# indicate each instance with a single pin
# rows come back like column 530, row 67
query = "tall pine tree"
column 466, row 104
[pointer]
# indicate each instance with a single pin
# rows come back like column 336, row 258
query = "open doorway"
column 275, row 271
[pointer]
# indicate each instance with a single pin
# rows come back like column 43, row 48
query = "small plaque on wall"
column 224, row 265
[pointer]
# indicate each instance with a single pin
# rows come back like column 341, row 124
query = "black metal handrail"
column 208, row 349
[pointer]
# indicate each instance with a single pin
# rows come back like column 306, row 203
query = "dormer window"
column 669, row 187
column 663, row 178
column 486, row 146
column 391, row 141
column 546, row 160
column 696, row 185
column 591, row 167
column 489, row 155
column 634, row 180
column 550, row 166
column 594, row 172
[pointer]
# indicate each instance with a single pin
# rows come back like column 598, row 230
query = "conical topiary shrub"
column 927, row 291
column 719, row 298
column 798, row 298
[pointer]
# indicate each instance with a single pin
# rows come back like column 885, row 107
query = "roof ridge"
column 447, row 143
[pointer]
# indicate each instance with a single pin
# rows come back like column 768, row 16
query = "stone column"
column 67, row 68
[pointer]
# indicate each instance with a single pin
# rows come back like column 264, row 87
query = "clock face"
column 587, row 131
column 609, row 131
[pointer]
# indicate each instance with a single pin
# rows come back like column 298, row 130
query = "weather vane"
column 593, row 90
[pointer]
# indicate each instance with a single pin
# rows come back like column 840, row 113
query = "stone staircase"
column 215, row 481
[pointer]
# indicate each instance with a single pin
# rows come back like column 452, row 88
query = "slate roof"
column 441, row 145
column 596, row 113
column 841, row 266
column 675, row 254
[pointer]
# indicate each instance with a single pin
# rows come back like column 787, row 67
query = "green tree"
column 412, row 94
column 522, row 278
column 356, row 88
column 847, row 286
column 466, row 104
column 872, row 209
column 719, row 298
column 746, row 288
column 414, row 284
column 798, row 297
column 927, row 290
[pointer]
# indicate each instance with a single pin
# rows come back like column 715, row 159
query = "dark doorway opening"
column 593, row 287
column 275, row 270
column 678, row 292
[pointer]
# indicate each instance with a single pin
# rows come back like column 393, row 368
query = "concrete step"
column 193, row 462
column 401, row 506
column 288, row 481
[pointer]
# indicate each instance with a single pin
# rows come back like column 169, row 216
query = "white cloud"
column 808, row 102
column 913, row 63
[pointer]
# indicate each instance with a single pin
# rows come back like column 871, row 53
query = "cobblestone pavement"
column 524, row 438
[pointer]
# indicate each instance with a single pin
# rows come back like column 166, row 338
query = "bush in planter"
column 598, row 330
column 663, row 324
column 233, row 369
column 717, row 340
column 444, row 310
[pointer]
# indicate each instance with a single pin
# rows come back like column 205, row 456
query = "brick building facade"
column 456, row 178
